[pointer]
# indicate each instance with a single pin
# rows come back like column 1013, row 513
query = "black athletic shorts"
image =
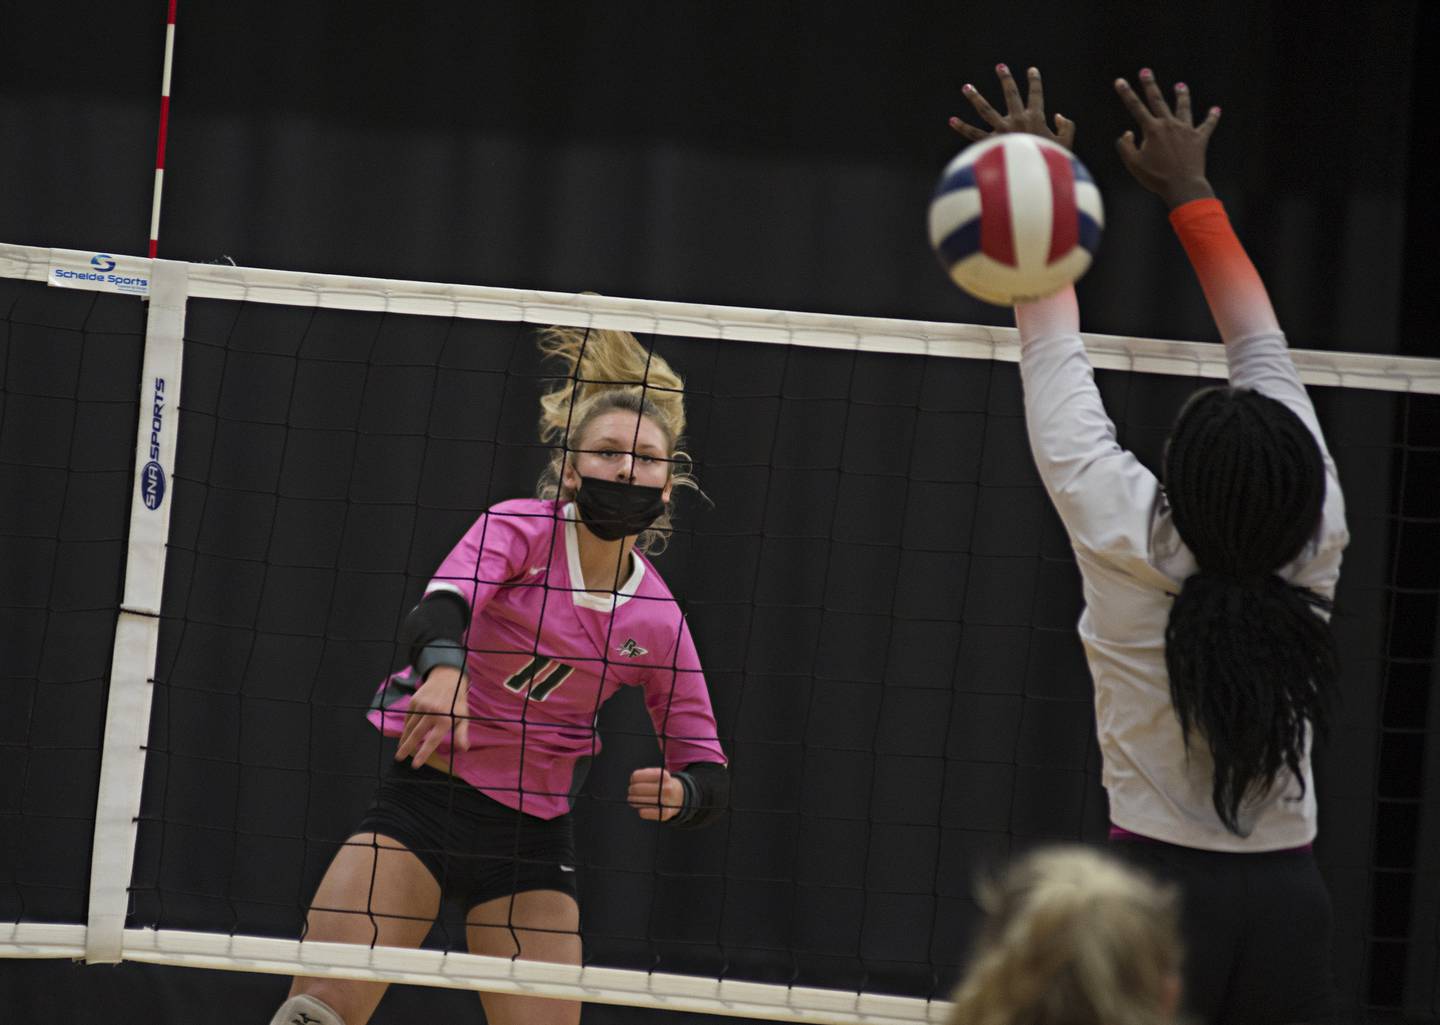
column 1256, row 929
column 476, row 848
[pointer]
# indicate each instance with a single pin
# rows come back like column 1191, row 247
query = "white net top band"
column 694, row 320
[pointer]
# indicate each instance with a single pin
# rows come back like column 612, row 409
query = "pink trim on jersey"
column 544, row 654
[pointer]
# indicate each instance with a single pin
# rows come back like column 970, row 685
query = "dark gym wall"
column 777, row 157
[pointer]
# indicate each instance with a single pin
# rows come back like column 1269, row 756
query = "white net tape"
column 691, row 320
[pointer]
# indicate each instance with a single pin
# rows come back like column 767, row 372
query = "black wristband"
column 707, row 793
column 441, row 652
column 690, row 802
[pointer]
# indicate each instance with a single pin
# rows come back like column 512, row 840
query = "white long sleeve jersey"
column 1132, row 562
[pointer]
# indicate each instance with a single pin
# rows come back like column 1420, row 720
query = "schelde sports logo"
column 104, row 273
column 152, row 475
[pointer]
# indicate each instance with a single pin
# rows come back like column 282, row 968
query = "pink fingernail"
column 1002, row 69
column 1215, row 111
column 1180, row 87
column 967, row 88
column 1146, row 73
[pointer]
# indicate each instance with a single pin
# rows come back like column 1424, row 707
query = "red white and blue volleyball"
column 1015, row 218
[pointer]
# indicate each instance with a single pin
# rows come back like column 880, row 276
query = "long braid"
column 1250, row 657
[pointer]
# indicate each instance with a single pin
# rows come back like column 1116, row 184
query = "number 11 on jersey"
column 542, row 675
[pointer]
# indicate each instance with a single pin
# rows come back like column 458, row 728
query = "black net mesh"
column 881, row 594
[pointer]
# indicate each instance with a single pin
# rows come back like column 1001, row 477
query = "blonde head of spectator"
column 1073, row 937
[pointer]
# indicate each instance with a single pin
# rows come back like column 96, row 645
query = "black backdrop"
column 765, row 158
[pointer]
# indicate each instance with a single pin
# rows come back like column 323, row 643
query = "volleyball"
column 1015, row 218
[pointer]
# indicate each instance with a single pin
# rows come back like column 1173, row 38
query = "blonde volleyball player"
column 543, row 610
column 1207, row 592
column 1073, row 936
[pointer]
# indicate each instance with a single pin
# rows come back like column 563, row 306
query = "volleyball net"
column 884, row 603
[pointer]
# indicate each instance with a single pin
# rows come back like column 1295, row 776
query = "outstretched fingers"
column 987, row 113
column 1132, row 103
column 1154, row 98
column 1065, row 131
column 1182, row 103
column 1207, row 127
column 1025, row 115
column 968, row 131
column 1166, row 151
column 1013, row 103
column 1035, row 100
column 1129, row 152
column 1184, row 115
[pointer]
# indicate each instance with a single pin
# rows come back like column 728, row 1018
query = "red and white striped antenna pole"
column 164, row 128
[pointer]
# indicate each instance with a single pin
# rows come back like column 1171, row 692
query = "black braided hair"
column 1250, row 658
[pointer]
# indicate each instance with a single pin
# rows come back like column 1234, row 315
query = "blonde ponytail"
column 1072, row 937
column 601, row 371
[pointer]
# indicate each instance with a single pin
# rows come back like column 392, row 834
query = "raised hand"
column 1027, row 116
column 438, row 711
column 1169, row 160
column 656, row 794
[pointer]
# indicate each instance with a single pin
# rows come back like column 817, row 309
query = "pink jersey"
column 543, row 654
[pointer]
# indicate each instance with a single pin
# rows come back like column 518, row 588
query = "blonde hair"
column 603, row 371
column 1072, row 937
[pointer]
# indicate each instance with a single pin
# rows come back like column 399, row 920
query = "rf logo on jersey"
column 632, row 650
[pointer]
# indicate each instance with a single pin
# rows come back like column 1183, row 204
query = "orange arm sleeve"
column 1237, row 297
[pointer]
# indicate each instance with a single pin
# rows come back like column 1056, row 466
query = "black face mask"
column 613, row 509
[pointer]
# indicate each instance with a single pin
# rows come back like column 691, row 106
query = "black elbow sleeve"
column 707, row 794
column 433, row 633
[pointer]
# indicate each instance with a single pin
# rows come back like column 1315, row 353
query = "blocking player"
column 1207, row 593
